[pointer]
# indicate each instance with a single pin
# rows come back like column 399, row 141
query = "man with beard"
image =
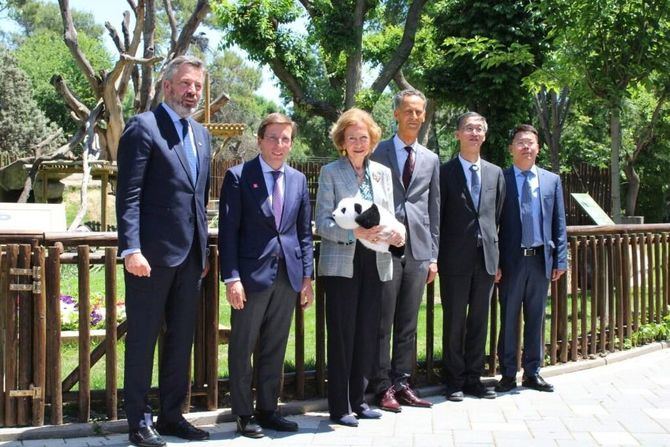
column 162, row 191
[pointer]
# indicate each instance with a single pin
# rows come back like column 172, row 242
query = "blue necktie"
column 527, row 212
column 474, row 185
column 188, row 150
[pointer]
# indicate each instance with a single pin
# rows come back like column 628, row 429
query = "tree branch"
column 403, row 50
column 214, row 107
column 401, row 81
column 309, row 7
column 114, row 34
column 355, row 57
column 320, row 108
column 70, row 39
column 80, row 110
column 167, row 4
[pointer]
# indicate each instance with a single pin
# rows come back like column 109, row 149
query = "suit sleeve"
column 500, row 200
column 230, row 211
column 325, row 204
column 434, row 209
column 133, row 159
column 558, row 229
column 304, row 228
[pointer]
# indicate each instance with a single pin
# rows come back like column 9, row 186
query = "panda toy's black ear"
column 369, row 218
column 358, row 208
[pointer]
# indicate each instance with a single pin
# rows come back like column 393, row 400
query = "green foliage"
column 650, row 332
column 483, row 52
column 35, row 15
column 43, row 55
column 22, row 123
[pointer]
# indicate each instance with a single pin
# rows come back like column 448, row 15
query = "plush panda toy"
column 354, row 212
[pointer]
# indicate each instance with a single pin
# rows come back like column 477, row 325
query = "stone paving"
column 623, row 403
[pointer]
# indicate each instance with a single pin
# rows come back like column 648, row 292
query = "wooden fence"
column 618, row 280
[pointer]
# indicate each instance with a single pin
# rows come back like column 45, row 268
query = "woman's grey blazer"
column 337, row 181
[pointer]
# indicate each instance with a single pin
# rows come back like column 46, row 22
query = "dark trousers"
column 523, row 286
column 170, row 294
column 401, row 298
column 265, row 321
column 465, row 309
column 352, row 319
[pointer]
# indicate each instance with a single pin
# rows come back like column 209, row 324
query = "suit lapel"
column 544, row 210
column 199, row 138
column 347, row 177
column 256, row 183
column 513, row 193
column 168, row 128
column 289, row 190
column 462, row 184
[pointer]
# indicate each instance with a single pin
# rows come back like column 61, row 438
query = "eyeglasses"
column 524, row 143
column 474, row 129
column 275, row 140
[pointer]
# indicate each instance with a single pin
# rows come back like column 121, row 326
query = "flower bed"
column 69, row 309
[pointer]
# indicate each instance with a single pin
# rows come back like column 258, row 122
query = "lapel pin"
column 254, row 185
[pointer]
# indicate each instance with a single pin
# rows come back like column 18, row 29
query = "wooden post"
column 574, row 292
column 644, row 264
column 4, row 291
column 54, row 385
column 562, row 293
column 11, row 340
column 111, row 336
column 83, row 264
column 651, row 291
column 625, row 275
column 39, row 336
column 299, row 350
column 660, row 311
column 430, row 332
column 25, row 304
column 611, row 296
column 636, row 268
column 619, row 296
column 602, row 292
column 584, row 285
column 104, row 180
column 212, row 332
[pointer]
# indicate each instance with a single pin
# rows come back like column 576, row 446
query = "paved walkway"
column 623, row 403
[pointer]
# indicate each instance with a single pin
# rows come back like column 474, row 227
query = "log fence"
column 618, row 281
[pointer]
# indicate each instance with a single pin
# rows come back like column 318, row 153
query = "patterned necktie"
column 527, row 211
column 474, row 185
column 189, row 150
column 409, row 167
column 277, row 203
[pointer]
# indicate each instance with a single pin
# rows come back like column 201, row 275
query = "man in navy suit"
column 533, row 251
column 265, row 246
column 162, row 191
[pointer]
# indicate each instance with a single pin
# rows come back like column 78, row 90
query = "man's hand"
column 235, row 294
column 137, row 264
column 556, row 273
column 498, row 276
column 432, row 272
column 306, row 293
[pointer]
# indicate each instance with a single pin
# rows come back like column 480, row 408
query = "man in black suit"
column 471, row 196
column 162, row 192
column 265, row 246
column 533, row 251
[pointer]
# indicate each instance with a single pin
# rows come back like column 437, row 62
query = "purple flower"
column 67, row 299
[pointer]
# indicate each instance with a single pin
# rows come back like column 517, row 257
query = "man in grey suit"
column 533, row 251
column 416, row 194
column 472, row 192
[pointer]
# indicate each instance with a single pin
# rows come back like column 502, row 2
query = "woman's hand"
column 395, row 238
column 371, row 234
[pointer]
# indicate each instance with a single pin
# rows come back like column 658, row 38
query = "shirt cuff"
column 129, row 251
column 229, row 280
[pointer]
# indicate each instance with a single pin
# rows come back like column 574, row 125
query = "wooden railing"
column 618, row 280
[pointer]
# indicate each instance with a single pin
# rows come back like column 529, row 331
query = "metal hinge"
column 35, row 287
column 34, row 392
column 35, row 272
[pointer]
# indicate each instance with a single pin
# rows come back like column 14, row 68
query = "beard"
column 178, row 105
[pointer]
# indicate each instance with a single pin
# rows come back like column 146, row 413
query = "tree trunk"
column 424, row 133
column 555, row 134
column 615, row 184
column 633, row 189
column 355, row 60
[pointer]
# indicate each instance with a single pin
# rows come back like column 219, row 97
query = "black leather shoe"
column 478, row 389
column 182, row 429
column 454, row 395
column 145, row 437
column 273, row 421
column 507, row 383
column 536, row 382
column 247, row 426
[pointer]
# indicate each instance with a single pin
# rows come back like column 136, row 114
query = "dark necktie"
column 474, row 185
column 188, row 150
column 527, row 211
column 409, row 167
column 277, row 202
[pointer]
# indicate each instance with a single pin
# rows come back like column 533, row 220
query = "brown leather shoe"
column 388, row 402
column 406, row 396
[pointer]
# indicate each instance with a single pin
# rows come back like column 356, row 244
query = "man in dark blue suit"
column 162, row 191
column 265, row 246
column 533, row 251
